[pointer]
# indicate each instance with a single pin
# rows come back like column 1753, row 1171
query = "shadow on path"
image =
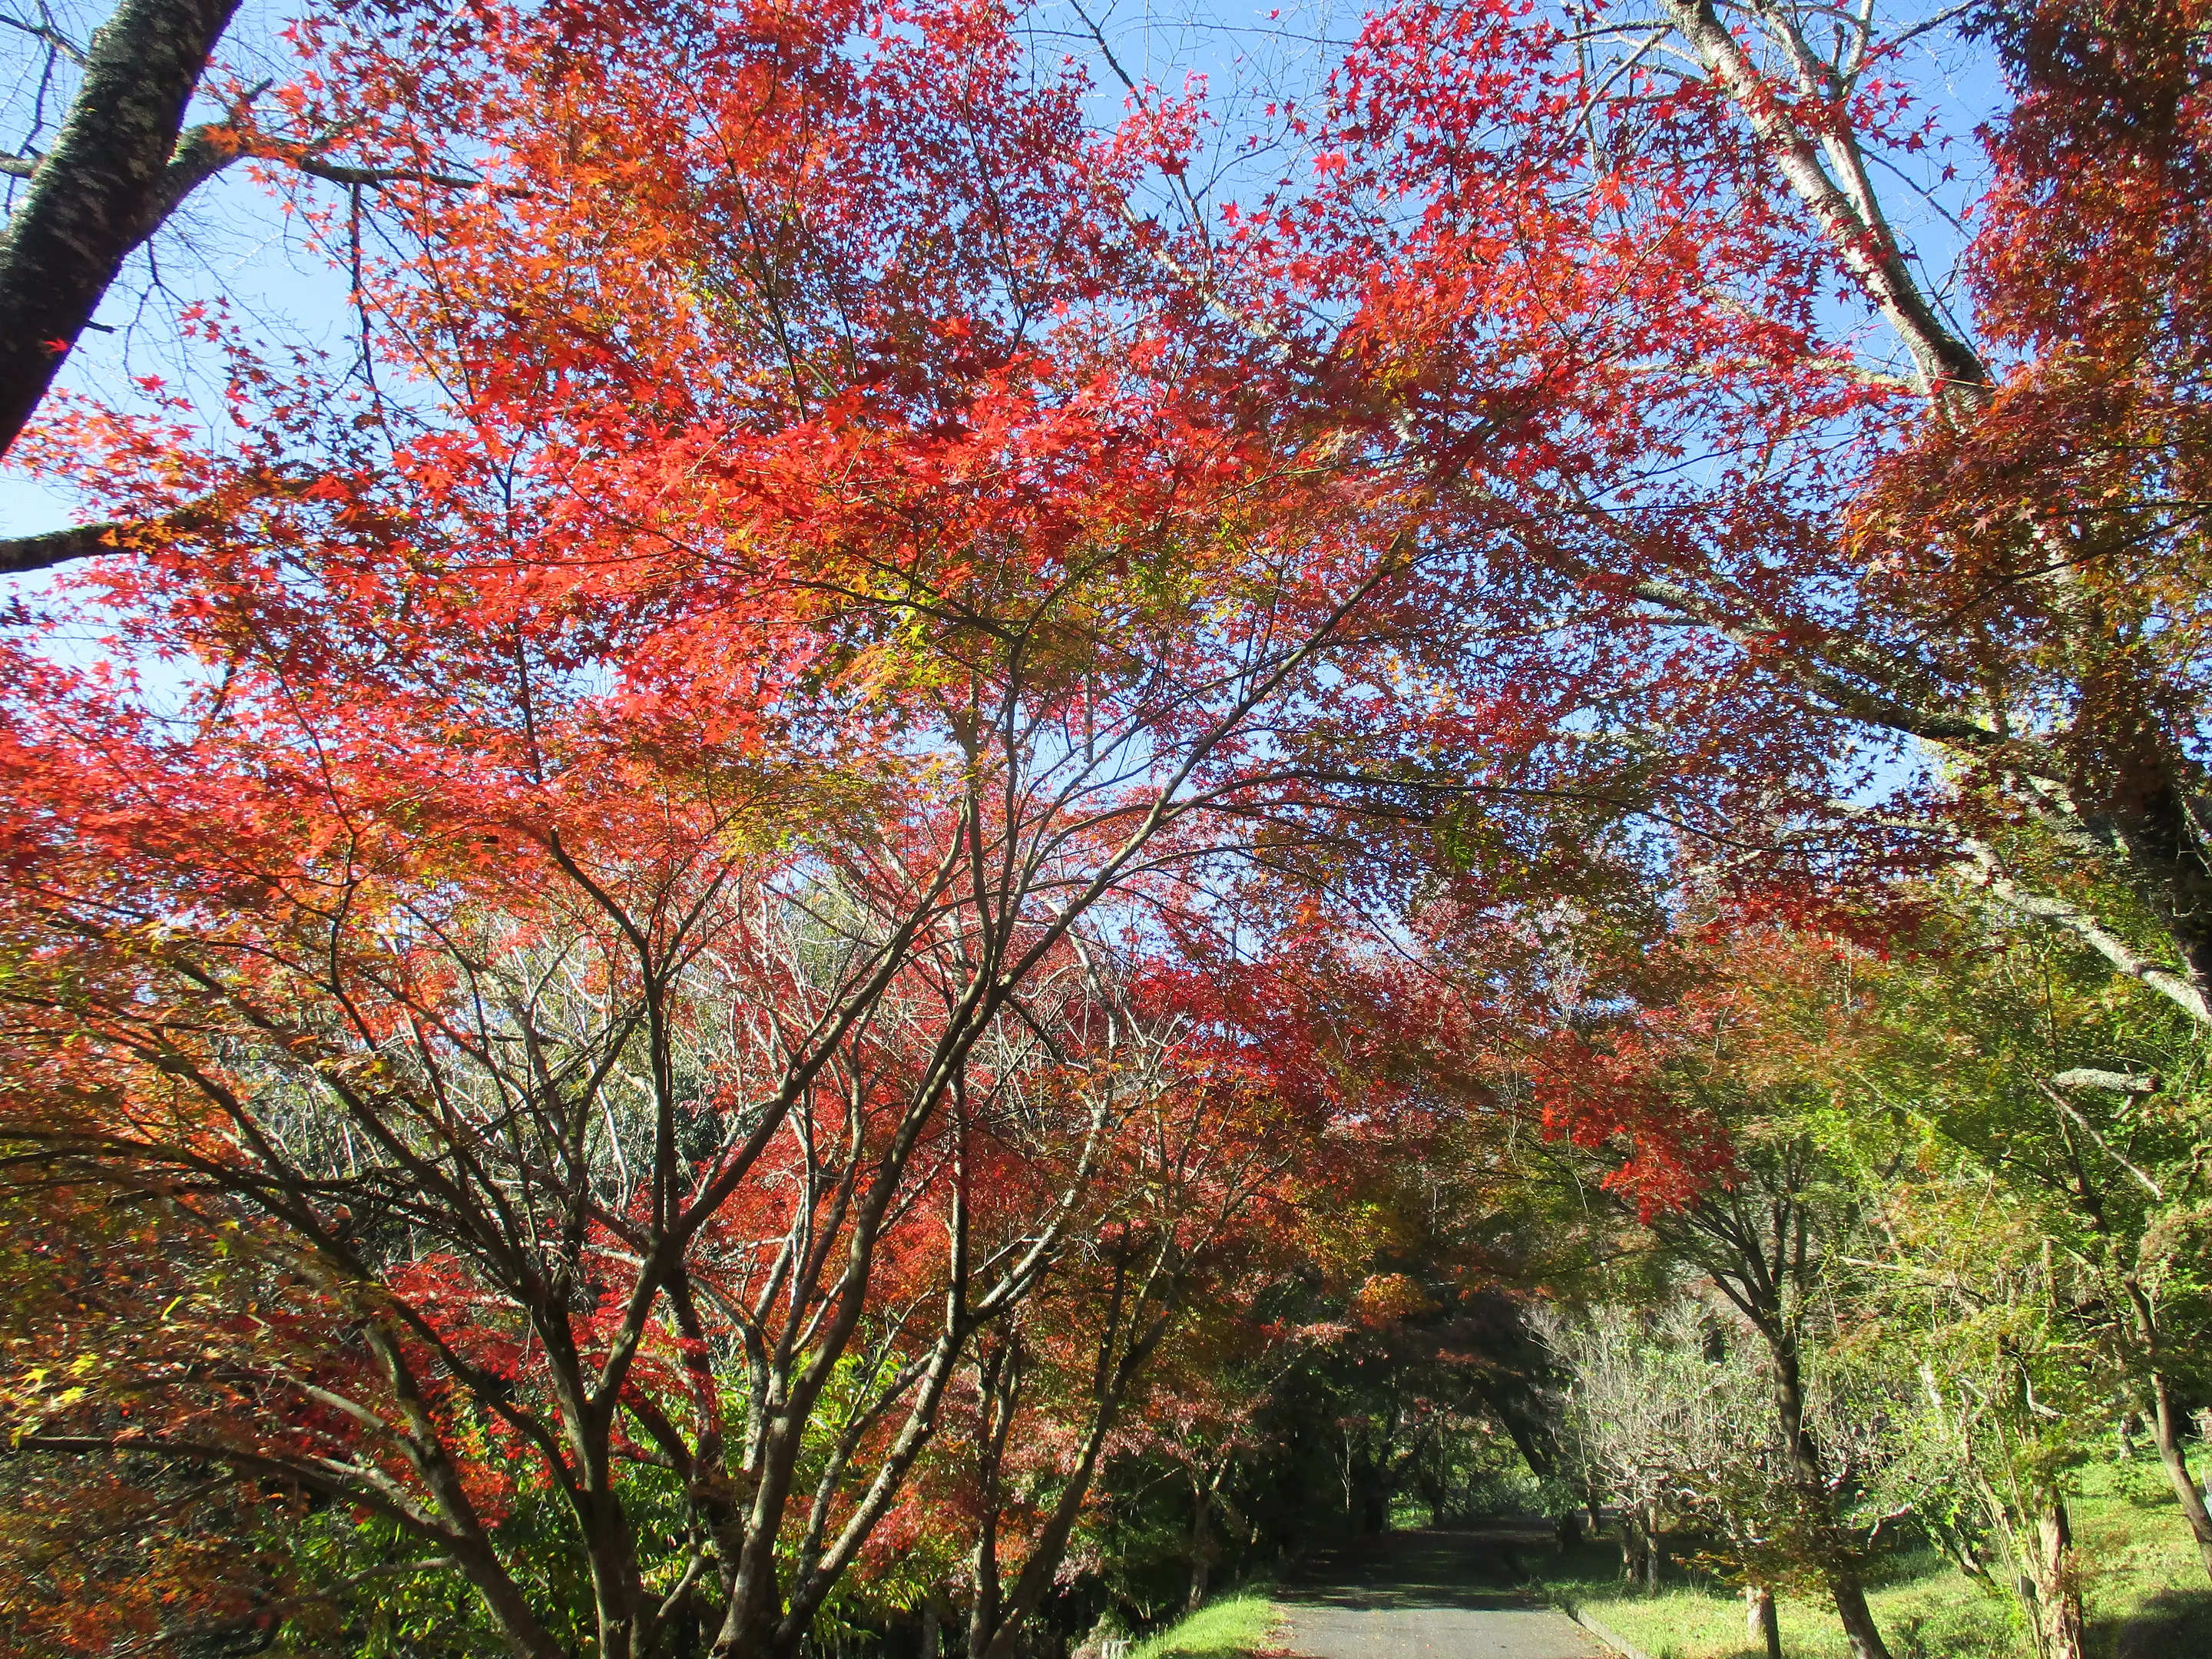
column 1426, row 1596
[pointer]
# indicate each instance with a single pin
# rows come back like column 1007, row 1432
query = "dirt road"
column 1425, row 1595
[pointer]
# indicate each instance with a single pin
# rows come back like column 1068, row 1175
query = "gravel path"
column 1425, row 1595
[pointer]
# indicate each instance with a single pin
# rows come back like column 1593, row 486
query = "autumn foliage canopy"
column 870, row 750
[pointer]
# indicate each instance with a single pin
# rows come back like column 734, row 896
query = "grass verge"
column 1925, row 1609
column 2143, row 1583
column 2144, row 1591
column 1241, row 1623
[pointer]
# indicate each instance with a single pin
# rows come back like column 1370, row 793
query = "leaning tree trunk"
column 1845, row 1587
column 2165, row 1428
column 2166, row 1416
column 1049, row 1548
column 1855, row 1615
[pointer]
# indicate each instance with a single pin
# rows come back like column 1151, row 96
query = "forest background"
column 916, row 833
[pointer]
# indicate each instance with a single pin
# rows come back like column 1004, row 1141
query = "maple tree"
column 1386, row 1352
column 1782, row 559
column 1202, row 1202
column 1768, row 1234
column 626, row 934
column 2082, row 1106
column 1979, row 1169
column 103, row 1552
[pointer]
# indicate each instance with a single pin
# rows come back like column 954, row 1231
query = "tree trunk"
column 1856, row 1617
column 1635, row 1546
column 1202, row 1543
column 2149, row 800
column 1761, row 1621
column 1374, row 1503
column 2166, row 1427
column 1350, row 1493
column 1049, row 1547
column 931, row 1639
column 1842, row 1580
column 2056, row 1568
column 998, row 1376
column 617, row 1594
column 983, row 1611
column 1653, row 1557
column 108, row 183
